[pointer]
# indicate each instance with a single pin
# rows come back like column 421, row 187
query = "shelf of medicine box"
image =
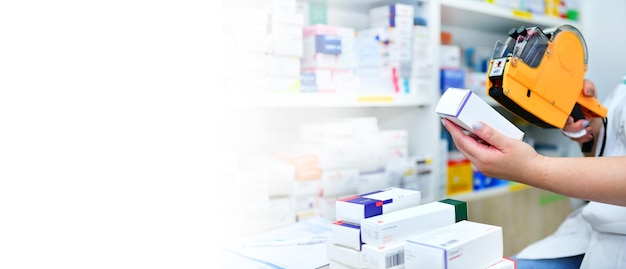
column 493, row 18
column 333, row 100
column 489, row 192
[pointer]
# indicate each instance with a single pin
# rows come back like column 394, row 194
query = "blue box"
column 308, row 82
column 452, row 78
column 482, row 182
column 328, row 44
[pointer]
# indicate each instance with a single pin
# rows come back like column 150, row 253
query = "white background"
column 107, row 122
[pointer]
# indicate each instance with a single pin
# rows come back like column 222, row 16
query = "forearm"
column 601, row 179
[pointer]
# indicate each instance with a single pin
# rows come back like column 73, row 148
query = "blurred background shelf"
column 296, row 100
column 494, row 18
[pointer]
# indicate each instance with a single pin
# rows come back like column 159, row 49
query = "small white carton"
column 346, row 234
column 465, row 244
column 399, row 225
column 353, row 209
column 345, row 256
column 388, row 257
column 464, row 108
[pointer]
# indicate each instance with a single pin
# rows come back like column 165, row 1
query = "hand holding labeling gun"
column 538, row 75
column 589, row 127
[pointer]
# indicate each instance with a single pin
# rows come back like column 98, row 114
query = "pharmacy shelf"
column 491, row 17
column 470, row 14
column 489, row 192
column 331, row 100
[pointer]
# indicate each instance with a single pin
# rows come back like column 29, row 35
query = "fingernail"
column 477, row 125
column 585, row 123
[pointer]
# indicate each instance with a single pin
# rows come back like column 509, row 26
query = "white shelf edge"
column 504, row 13
column 297, row 99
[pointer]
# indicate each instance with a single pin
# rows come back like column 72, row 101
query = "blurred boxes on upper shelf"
column 329, row 58
column 566, row 9
column 385, row 50
column 393, row 10
column 398, row 16
column 422, row 56
column 374, row 69
column 265, row 46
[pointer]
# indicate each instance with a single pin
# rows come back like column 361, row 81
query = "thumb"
column 489, row 135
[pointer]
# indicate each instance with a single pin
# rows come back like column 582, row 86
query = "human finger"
column 589, row 88
column 575, row 126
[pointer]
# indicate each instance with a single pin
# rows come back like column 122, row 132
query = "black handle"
column 577, row 114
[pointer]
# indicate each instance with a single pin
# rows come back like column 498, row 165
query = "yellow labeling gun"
column 538, row 75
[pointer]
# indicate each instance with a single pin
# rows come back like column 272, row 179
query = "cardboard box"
column 353, row 209
column 345, row 256
column 346, row 234
column 464, row 108
column 450, row 56
column 400, row 225
column 464, row 244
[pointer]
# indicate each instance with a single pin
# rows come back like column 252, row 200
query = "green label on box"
column 318, row 13
column 460, row 208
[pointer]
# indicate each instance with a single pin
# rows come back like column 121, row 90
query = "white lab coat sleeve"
column 570, row 239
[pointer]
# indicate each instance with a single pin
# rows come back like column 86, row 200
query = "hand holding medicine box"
column 464, row 108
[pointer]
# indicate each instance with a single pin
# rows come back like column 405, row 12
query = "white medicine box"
column 464, row 108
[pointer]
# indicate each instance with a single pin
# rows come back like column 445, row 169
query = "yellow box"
column 460, row 179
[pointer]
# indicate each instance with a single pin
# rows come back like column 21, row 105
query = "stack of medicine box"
column 374, row 70
column 397, row 20
column 371, row 229
column 328, row 60
column 423, row 59
column 286, row 50
column 264, row 47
